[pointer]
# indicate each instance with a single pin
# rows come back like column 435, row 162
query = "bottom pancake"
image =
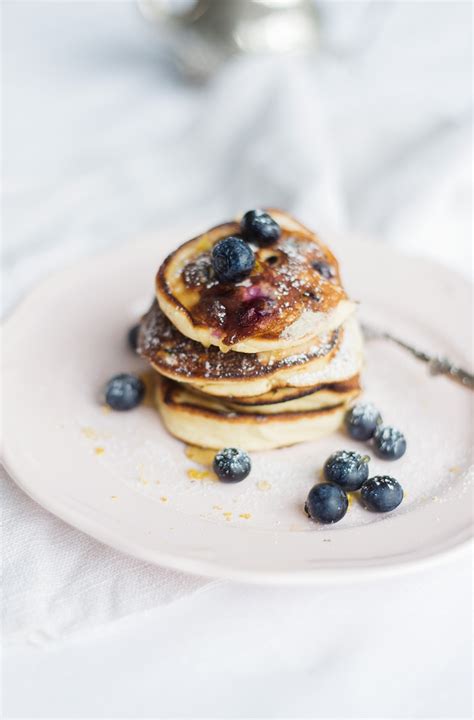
column 207, row 422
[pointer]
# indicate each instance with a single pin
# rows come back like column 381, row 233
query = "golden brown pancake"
column 297, row 399
column 206, row 422
column 284, row 302
column 283, row 394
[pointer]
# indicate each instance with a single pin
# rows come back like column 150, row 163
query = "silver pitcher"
column 206, row 32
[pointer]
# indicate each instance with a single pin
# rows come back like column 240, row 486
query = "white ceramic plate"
column 121, row 478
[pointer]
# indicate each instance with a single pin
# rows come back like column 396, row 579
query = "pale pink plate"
column 121, row 478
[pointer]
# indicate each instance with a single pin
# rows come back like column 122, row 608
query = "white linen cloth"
column 58, row 580
column 103, row 142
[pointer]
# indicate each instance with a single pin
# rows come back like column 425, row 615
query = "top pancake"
column 283, row 303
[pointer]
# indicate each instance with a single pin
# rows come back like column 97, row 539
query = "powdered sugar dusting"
column 164, row 346
column 305, row 324
column 346, row 362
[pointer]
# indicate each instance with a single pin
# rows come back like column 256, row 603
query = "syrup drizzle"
column 283, row 284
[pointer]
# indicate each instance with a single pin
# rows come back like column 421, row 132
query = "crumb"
column 217, row 507
column 245, row 516
column 99, row 450
column 163, row 498
column 200, row 475
column 326, row 540
column 141, row 475
column 455, row 469
column 92, row 434
column 227, row 515
column 113, row 497
column 157, row 482
column 106, row 409
column 263, row 485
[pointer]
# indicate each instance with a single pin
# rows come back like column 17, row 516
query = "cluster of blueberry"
column 344, row 471
column 364, row 422
column 232, row 257
column 348, row 471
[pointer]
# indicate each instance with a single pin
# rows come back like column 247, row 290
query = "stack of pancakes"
column 270, row 361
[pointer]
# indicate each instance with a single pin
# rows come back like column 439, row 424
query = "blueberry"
column 260, row 228
column 124, row 392
column 389, row 443
column 132, row 337
column 381, row 493
column 232, row 465
column 362, row 421
column 327, row 503
column 347, row 469
column 324, row 269
column 232, row 259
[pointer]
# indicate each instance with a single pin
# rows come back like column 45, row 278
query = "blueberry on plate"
column 232, row 465
column 362, row 421
column 326, row 503
column 124, row 392
column 132, row 337
column 324, row 269
column 389, row 443
column 260, row 228
column 347, row 468
column 381, row 493
column 232, row 259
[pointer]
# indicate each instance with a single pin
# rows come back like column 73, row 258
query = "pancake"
column 206, row 422
column 235, row 374
column 324, row 396
column 283, row 394
column 299, row 372
column 284, row 302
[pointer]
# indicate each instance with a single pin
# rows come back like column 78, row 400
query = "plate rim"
column 208, row 568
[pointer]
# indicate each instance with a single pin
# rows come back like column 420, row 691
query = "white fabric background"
column 102, row 141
